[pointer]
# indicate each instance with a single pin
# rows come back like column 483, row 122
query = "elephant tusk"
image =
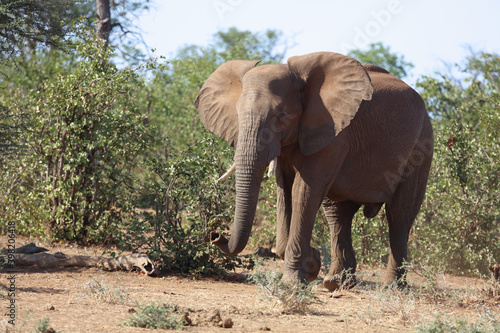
column 271, row 171
column 228, row 173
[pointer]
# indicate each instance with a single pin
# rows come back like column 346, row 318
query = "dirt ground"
column 63, row 296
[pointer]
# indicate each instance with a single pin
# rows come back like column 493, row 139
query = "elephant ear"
column 216, row 101
column 334, row 87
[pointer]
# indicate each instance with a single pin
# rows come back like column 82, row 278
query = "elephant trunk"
column 250, row 167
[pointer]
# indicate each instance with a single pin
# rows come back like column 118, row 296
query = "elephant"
column 337, row 134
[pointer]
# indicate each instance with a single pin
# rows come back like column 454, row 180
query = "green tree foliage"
column 125, row 36
column 84, row 134
column 170, row 96
column 19, row 78
column 464, row 101
column 380, row 55
column 12, row 125
column 32, row 34
column 459, row 227
column 24, row 23
column 246, row 45
column 184, row 202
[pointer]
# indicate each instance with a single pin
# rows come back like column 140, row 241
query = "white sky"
column 426, row 32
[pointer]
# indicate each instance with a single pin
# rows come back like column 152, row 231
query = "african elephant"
column 338, row 134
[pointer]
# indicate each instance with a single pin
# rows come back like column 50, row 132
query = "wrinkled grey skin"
column 344, row 135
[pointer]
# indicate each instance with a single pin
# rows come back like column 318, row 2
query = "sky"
column 431, row 34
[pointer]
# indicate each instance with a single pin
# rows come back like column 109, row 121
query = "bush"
column 183, row 203
column 84, row 133
column 460, row 214
column 458, row 228
column 156, row 315
column 439, row 325
column 42, row 326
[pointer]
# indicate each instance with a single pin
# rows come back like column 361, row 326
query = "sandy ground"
column 63, row 296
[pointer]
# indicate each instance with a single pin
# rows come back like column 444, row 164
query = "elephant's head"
column 261, row 109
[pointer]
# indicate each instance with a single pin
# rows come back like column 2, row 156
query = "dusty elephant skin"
column 344, row 135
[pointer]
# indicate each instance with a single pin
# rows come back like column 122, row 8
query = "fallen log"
column 127, row 262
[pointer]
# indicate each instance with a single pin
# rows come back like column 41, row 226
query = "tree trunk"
column 127, row 262
column 104, row 16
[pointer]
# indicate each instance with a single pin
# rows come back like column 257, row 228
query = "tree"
column 11, row 128
column 29, row 24
column 380, row 55
column 116, row 24
column 104, row 20
column 236, row 44
column 25, row 23
column 38, row 32
column 461, row 215
column 172, row 93
column 465, row 100
column 85, row 133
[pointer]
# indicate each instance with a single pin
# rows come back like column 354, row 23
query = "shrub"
column 458, row 228
column 439, row 325
column 183, row 203
column 156, row 315
column 42, row 326
column 84, row 133
column 460, row 213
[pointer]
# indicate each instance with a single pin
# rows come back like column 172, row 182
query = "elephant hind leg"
column 401, row 213
column 343, row 264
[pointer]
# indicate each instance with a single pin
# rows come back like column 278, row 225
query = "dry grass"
column 286, row 298
column 101, row 291
column 89, row 300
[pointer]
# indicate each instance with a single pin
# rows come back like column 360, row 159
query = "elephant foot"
column 331, row 283
column 399, row 283
column 397, row 277
column 292, row 279
column 313, row 265
column 306, row 270
column 340, row 281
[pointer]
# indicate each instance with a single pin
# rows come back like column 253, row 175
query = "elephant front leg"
column 302, row 261
column 283, row 208
column 343, row 264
